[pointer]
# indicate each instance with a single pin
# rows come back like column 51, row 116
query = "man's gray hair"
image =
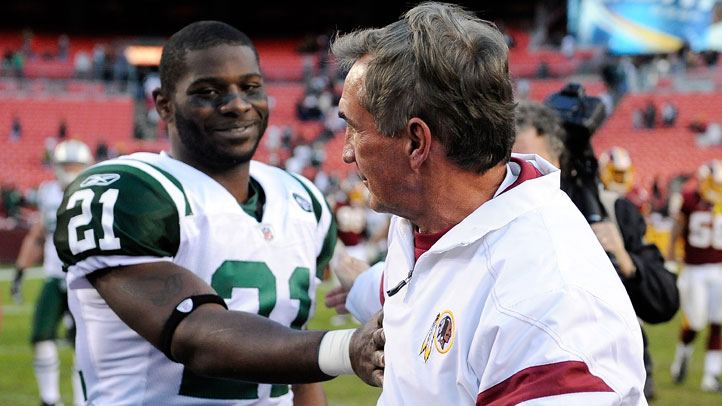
column 545, row 121
column 446, row 66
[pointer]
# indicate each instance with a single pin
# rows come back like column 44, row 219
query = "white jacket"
column 517, row 304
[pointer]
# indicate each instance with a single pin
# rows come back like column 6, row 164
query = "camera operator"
column 617, row 223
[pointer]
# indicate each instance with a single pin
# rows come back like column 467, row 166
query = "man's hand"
column 336, row 299
column 367, row 351
column 16, row 290
column 608, row 235
column 345, row 267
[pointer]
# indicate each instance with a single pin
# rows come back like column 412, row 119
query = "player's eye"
column 207, row 92
column 252, row 88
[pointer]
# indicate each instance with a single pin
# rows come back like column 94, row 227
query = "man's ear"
column 163, row 105
column 418, row 142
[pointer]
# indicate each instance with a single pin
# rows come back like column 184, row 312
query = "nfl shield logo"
column 267, row 232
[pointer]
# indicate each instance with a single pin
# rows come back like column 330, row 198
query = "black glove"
column 16, row 286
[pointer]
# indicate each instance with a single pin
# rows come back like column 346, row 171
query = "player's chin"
column 243, row 153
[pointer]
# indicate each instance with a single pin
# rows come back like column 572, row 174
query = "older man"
column 480, row 238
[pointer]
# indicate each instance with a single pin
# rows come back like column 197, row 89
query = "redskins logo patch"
column 440, row 335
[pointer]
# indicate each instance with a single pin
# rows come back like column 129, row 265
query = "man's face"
column 378, row 158
column 219, row 107
column 528, row 141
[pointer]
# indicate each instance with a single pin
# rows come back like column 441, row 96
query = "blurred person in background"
column 69, row 158
column 351, row 219
column 16, row 129
column 699, row 222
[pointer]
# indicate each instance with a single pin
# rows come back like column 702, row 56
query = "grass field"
column 17, row 382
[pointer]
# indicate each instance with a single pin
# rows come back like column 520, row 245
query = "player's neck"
column 235, row 180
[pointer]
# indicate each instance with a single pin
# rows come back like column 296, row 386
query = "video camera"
column 581, row 115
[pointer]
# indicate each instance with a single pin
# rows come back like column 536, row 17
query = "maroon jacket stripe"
column 541, row 381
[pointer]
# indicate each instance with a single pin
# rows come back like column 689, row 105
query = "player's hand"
column 346, row 268
column 367, row 351
column 336, row 299
column 16, row 290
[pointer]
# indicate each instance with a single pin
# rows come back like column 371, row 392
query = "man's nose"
column 235, row 102
column 348, row 155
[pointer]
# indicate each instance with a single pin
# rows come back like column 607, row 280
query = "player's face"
column 67, row 172
column 378, row 158
column 220, row 109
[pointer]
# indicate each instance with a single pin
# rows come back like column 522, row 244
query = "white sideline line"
column 17, row 309
column 8, row 274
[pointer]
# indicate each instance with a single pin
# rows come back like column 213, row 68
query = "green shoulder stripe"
column 329, row 242
column 173, row 180
column 329, row 245
column 121, row 208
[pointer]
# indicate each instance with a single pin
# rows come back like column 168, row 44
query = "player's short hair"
column 446, row 66
column 192, row 37
column 546, row 123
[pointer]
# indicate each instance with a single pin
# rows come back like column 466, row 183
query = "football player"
column 699, row 223
column 616, row 170
column 69, row 159
column 158, row 246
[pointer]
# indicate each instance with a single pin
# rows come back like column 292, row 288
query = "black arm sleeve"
column 652, row 289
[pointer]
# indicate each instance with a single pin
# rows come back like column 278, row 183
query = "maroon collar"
column 528, row 171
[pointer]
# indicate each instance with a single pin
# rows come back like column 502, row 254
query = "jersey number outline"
column 705, row 230
column 109, row 241
column 248, row 274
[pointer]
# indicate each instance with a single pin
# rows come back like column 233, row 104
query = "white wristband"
column 333, row 353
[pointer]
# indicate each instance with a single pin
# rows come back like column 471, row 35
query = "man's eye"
column 207, row 92
column 251, row 88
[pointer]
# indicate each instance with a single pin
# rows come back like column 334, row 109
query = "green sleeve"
column 119, row 209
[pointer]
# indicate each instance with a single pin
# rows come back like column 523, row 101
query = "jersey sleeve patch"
column 125, row 208
column 323, row 213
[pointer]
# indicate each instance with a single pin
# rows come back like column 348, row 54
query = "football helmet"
column 69, row 159
column 710, row 181
column 616, row 170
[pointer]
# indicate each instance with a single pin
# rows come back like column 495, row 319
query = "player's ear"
column 163, row 105
column 418, row 142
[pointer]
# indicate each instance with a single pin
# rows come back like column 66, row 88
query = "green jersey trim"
column 317, row 209
column 173, row 180
column 120, row 207
column 168, row 181
column 329, row 242
column 329, row 245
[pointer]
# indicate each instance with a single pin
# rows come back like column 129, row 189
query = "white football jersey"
column 517, row 304
column 49, row 196
column 148, row 207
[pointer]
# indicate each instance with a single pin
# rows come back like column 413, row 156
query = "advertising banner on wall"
column 647, row 26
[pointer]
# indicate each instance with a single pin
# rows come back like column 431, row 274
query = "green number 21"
column 242, row 274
